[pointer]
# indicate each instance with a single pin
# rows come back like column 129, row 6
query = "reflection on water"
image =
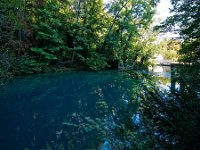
column 163, row 74
column 87, row 110
column 35, row 110
column 162, row 71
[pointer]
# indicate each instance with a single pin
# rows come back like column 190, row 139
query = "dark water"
column 109, row 110
column 62, row 111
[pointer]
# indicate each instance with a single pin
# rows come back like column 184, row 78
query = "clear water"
column 63, row 111
column 161, row 71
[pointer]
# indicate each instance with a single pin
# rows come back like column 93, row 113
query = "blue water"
column 34, row 109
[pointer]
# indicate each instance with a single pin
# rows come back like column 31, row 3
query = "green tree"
column 144, row 47
column 170, row 49
column 185, row 22
column 57, row 32
column 129, row 17
column 50, row 32
column 88, row 31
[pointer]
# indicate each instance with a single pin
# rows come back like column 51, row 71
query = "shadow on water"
column 107, row 110
column 172, row 117
column 33, row 109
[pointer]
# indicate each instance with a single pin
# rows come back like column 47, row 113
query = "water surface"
column 44, row 111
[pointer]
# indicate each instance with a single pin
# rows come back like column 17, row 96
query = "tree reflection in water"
column 106, row 110
column 153, row 119
column 171, row 120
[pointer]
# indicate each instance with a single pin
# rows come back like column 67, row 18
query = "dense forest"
column 43, row 36
column 38, row 34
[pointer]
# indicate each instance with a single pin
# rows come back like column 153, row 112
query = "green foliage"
column 41, row 51
column 87, row 32
column 27, row 66
column 170, row 49
column 170, row 54
column 130, row 17
column 88, row 29
column 190, row 51
column 96, row 61
column 186, row 17
column 144, row 48
column 49, row 28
